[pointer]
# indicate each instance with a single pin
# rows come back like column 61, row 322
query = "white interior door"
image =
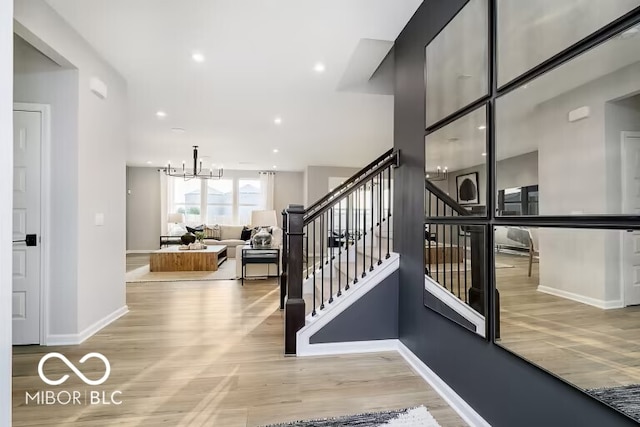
column 27, row 139
column 631, row 205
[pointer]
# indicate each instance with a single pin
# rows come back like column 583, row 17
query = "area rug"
column 226, row 271
column 409, row 417
column 624, row 398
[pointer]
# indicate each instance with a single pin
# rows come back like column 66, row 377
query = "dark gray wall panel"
column 372, row 317
column 502, row 388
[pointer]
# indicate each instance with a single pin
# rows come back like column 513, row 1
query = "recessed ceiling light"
column 427, row 175
column 149, row 162
column 178, row 130
column 161, row 114
column 484, row 154
column 319, row 67
column 274, row 166
column 275, row 150
column 198, row 57
column 482, row 127
column 277, row 120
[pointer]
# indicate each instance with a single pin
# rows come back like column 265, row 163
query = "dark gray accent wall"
column 373, row 317
column 504, row 389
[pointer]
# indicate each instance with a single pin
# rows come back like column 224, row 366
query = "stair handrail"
column 448, row 200
column 363, row 176
column 349, row 182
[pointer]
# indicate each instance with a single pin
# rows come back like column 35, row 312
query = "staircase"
column 337, row 248
column 455, row 248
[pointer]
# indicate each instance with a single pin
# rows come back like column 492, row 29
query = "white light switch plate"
column 99, row 219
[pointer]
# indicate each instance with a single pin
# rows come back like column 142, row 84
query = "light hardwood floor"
column 586, row 346
column 210, row 353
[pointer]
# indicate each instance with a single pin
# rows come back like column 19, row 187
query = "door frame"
column 623, row 252
column 45, row 209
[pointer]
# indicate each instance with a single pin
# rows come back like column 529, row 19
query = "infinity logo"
column 74, row 369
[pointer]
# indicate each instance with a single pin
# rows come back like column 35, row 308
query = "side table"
column 251, row 255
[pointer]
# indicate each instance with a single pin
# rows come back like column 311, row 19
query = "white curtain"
column 165, row 200
column 267, row 188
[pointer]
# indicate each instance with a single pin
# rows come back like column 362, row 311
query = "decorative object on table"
column 262, row 239
column 196, row 172
column 263, row 219
column 200, row 236
column 187, row 238
column 198, row 246
column 409, row 417
column 467, row 189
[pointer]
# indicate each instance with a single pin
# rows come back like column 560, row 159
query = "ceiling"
column 259, row 64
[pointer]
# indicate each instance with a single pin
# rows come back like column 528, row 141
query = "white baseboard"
column 462, row 408
column 140, row 251
column 466, row 412
column 602, row 304
column 79, row 338
column 327, row 349
column 455, row 304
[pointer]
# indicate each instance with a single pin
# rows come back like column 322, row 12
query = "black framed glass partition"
column 569, row 303
column 530, row 32
column 457, row 68
column 559, row 180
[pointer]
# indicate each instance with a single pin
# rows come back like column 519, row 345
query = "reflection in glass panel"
column 457, row 63
column 454, row 273
column 455, row 159
column 569, row 301
column 530, row 32
column 573, row 133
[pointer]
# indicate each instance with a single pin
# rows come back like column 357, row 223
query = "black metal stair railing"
column 455, row 252
column 336, row 242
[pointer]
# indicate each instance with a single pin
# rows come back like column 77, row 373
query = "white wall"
column 317, row 180
column 289, row 189
column 37, row 79
column 100, row 162
column 6, row 195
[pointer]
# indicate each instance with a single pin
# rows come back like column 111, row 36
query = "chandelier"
column 439, row 174
column 196, row 172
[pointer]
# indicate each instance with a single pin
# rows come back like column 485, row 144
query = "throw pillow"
column 195, row 229
column 246, row 233
column 216, row 232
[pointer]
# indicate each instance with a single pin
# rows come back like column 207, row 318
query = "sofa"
column 228, row 235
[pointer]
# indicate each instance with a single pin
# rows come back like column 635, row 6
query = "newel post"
column 479, row 265
column 285, row 259
column 294, row 308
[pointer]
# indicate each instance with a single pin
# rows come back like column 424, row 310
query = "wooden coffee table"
column 174, row 259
